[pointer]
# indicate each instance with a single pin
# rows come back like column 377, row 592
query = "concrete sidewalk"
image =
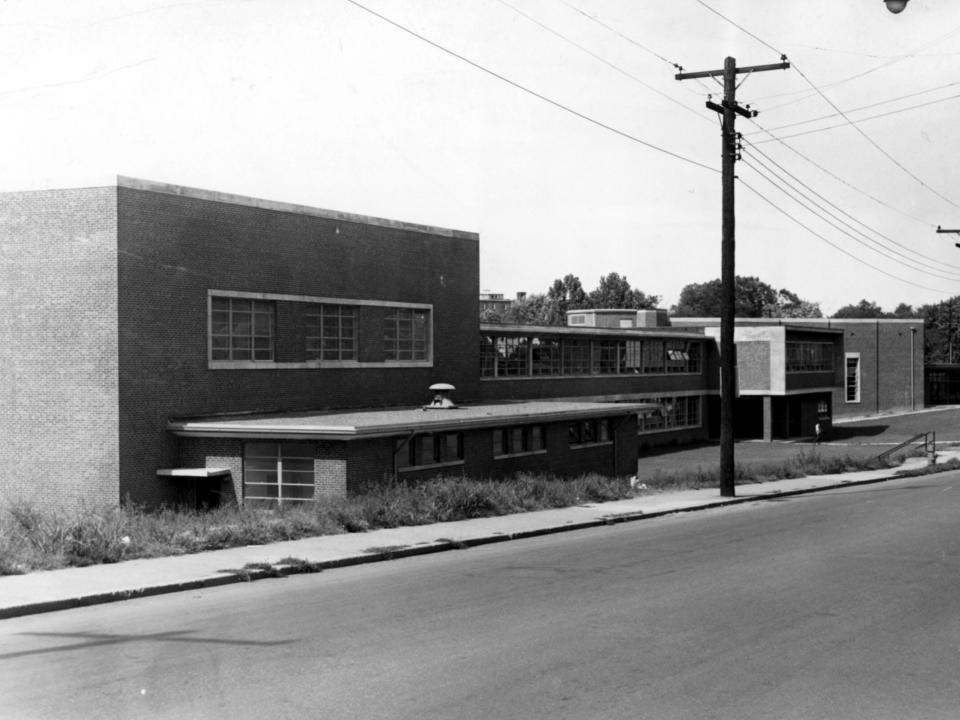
column 51, row 590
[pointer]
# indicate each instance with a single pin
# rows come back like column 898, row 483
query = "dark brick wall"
column 58, row 347
column 173, row 249
column 891, row 378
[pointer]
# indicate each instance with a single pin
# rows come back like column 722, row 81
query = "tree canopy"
column 753, row 299
column 613, row 291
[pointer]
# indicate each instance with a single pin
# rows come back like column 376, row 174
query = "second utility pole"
column 728, row 358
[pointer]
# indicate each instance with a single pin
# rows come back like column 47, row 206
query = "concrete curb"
column 250, row 574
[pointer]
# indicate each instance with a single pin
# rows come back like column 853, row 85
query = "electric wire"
column 843, row 181
column 606, row 62
column 896, row 256
column 634, row 42
column 840, row 112
column 937, row 265
column 867, row 107
column 814, row 131
column 834, row 245
column 529, row 91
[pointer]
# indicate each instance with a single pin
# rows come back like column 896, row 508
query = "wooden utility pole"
column 728, row 358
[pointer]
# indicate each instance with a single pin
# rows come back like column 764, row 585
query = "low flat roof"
column 400, row 421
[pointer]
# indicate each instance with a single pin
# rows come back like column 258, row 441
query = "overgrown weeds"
column 34, row 538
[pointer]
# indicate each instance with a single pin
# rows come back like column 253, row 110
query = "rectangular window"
column 545, row 356
column 427, row 450
column 512, row 358
column 488, row 356
column 809, row 357
column 406, row 334
column 682, row 356
column 653, row 356
column 852, row 382
column 331, row 332
column 277, row 473
column 241, row 329
column 576, row 357
column 608, row 357
column 518, row 440
column 675, row 413
column 589, row 432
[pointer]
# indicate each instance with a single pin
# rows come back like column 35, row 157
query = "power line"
column 857, row 76
column 871, row 105
column 633, row 42
column 874, row 142
column 832, row 244
column 741, row 28
column 840, row 112
column 906, row 260
column 602, row 59
column 529, row 91
column 814, row 131
column 938, row 265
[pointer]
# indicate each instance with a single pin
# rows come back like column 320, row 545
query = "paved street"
column 841, row 604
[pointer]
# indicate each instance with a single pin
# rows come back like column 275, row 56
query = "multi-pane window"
column 331, row 332
column 682, row 356
column 589, row 432
column 536, row 356
column 607, row 357
column 576, row 357
column 653, row 356
column 512, row 358
column 519, row 439
column 674, row 413
column 406, row 334
column 488, row 356
column 545, row 357
column 241, row 329
column 277, row 473
column 424, row 450
column 852, row 382
column 809, row 357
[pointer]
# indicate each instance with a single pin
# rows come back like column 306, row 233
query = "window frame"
column 382, row 305
column 855, row 356
column 282, row 476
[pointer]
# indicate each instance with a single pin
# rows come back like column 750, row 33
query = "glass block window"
column 576, row 357
column 277, row 473
column 331, row 332
column 545, row 357
column 406, row 334
column 241, row 329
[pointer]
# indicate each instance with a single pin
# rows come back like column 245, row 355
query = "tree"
column 563, row 295
column 752, row 295
column 791, row 305
column 863, row 309
column 614, row 291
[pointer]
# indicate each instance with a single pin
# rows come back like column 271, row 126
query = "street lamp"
column 896, row 6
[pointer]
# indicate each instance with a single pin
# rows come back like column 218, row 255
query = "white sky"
column 319, row 102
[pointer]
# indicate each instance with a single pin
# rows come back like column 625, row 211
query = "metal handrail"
column 929, row 445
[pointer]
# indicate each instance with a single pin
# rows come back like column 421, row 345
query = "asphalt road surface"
column 843, row 604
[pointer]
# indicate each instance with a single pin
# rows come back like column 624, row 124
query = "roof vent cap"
column 441, row 397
